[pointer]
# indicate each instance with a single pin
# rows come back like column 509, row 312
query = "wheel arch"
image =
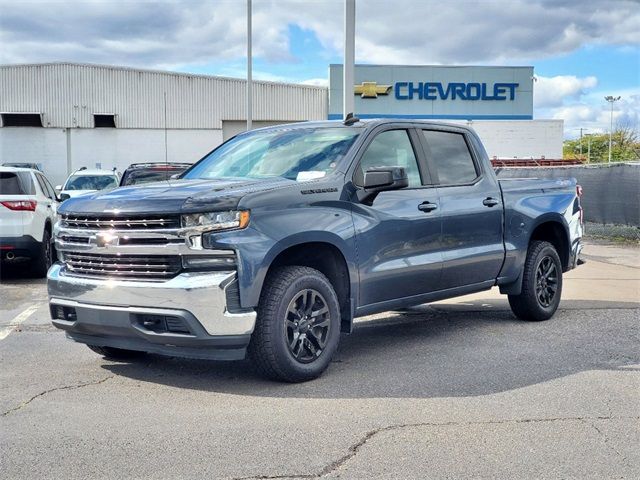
column 326, row 256
column 553, row 229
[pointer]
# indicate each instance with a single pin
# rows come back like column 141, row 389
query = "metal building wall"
column 69, row 94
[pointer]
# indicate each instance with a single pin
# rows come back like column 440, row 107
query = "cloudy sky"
column 582, row 50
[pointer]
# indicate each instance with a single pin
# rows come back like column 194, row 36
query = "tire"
column 541, row 284
column 298, row 326
column 116, row 353
column 45, row 256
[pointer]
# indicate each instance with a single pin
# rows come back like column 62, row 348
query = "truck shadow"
column 446, row 351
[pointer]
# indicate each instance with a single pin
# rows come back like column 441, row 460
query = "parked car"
column 86, row 180
column 33, row 166
column 139, row 173
column 28, row 205
column 275, row 241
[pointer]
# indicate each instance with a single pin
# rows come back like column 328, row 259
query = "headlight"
column 217, row 220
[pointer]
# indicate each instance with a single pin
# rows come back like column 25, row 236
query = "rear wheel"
column 116, row 353
column 541, row 284
column 298, row 326
column 45, row 257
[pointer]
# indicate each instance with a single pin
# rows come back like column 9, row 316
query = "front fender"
column 272, row 233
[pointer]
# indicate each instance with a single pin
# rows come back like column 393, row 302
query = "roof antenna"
column 350, row 119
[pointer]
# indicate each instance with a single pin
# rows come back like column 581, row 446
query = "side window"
column 451, row 157
column 390, row 148
column 50, row 189
column 43, row 185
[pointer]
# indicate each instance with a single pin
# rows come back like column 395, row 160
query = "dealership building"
column 64, row 116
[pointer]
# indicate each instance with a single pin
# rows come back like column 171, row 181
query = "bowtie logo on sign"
column 371, row 89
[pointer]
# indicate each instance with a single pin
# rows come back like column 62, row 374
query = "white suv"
column 86, row 181
column 28, row 205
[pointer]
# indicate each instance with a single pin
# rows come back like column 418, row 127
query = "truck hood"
column 174, row 196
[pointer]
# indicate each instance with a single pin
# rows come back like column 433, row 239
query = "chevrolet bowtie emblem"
column 371, row 90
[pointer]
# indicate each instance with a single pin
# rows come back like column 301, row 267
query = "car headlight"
column 234, row 219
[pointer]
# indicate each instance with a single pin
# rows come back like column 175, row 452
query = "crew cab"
column 275, row 241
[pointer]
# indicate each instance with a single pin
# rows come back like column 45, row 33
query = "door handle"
column 490, row 202
column 427, row 207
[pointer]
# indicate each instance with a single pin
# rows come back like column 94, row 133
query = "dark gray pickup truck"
column 275, row 241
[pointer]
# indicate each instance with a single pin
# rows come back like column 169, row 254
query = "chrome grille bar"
column 101, row 222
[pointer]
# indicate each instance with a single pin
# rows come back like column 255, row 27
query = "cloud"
column 170, row 33
column 593, row 114
column 555, row 91
column 318, row 82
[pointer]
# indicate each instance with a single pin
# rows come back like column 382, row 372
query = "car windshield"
column 136, row 177
column 91, row 182
column 296, row 154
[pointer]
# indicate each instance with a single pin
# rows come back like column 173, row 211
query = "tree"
column 625, row 145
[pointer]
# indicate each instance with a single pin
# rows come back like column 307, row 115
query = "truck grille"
column 136, row 267
column 120, row 223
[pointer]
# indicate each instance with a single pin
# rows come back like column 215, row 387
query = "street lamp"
column 611, row 99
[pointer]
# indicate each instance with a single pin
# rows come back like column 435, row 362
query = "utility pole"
column 249, row 66
column 589, row 148
column 581, row 141
column 348, row 67
column 611, row 99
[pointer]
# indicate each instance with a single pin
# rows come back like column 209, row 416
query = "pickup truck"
column 273, row 243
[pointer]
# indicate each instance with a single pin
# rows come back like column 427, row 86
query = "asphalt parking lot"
column 457, row 389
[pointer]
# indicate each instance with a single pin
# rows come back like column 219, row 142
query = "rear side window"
column 450, row 154
column 16, row 183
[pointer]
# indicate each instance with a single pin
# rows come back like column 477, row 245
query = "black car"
column 138, row 173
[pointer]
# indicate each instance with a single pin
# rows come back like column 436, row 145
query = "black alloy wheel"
column 541, row 290
column 297, row 328
column 546, row 281
column 307, row 325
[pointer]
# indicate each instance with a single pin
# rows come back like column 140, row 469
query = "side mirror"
column 382, row 179
column 64, row 196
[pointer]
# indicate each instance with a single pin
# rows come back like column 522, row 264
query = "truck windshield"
column 296, row 154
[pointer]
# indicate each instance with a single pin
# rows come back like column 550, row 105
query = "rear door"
column 470, row 206
column 397, row 237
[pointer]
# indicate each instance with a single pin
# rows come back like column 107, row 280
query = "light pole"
column 611, row 99
column 581, row 130
column 249, row 69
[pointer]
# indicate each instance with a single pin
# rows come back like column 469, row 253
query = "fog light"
column 60, row 312
column 209, row 262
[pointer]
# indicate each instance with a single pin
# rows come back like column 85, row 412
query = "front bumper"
column 120, row 313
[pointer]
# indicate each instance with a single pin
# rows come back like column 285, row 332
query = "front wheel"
column 298, row 326
column 44, row 259
column 541, row 284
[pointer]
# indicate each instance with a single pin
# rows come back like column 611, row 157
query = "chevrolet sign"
column 462, row 91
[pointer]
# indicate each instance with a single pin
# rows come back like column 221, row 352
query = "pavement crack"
column 353, row 450
column 46, row 392
column 605, row 438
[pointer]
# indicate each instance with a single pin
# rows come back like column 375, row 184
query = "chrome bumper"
column 201, row 295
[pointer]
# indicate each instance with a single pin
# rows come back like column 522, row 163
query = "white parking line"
column 20, row 318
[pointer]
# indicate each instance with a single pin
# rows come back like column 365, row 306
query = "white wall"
column 121, row 147
column 521, row 138
column 111, row 147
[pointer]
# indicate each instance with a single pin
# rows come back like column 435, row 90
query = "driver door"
column 398, row 236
